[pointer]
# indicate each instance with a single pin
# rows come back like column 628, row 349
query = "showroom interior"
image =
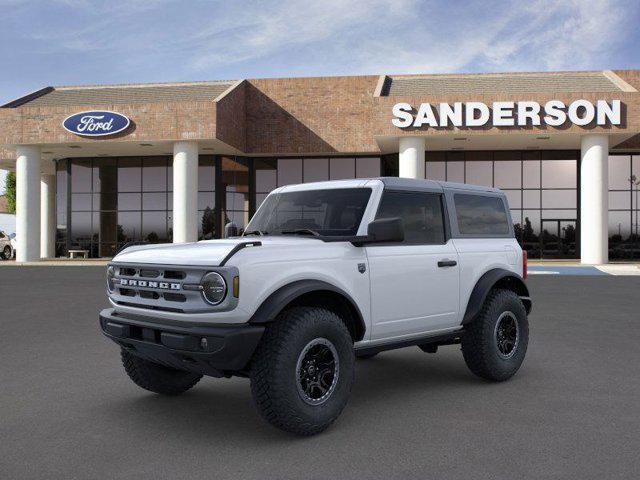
column 199, row 155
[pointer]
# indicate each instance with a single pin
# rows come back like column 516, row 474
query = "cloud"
column 80, row 41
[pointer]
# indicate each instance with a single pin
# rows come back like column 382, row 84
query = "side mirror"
column 385, row 230
column 230, row 230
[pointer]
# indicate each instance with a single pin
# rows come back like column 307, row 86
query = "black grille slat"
column 127, row 272
column 174, row 274
column 146, row 273
column 174, row 297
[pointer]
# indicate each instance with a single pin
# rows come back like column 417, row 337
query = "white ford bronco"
column 323, row 274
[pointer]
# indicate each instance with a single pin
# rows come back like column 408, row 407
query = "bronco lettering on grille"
column 145, row 283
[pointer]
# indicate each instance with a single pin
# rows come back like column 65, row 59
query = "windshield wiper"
column 300, row 231
column 254, row 232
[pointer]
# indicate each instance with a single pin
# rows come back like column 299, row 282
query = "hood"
column 205, row 253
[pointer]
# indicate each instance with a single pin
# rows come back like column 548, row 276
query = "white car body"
column 6, row 241
column 402, row 292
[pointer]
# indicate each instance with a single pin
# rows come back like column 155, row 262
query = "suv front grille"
column 157, row 288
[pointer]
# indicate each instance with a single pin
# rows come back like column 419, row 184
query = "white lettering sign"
column 507, row 114
column 89, row 123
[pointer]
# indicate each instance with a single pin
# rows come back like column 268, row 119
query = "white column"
column 411, row 157
column 47, row 215
column 185, row 192
column 594, row 199
column 28, row 203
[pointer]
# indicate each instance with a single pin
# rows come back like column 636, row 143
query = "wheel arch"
column 313, row 293
column 495, row 278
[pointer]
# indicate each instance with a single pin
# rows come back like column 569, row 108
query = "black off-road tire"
column 275, row 375
column 480, row 344
column 6, row 253
column 157, row 378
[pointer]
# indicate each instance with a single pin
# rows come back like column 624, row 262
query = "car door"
column 414, row 284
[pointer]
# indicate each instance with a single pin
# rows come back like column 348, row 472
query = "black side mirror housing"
column 386, row 230
column 382, row 230
column 230, row 230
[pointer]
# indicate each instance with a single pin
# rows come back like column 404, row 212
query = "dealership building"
column 102, row 166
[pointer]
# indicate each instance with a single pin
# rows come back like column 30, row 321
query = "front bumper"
column 208, row 350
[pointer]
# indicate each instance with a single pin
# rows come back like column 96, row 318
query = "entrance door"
column 558, row 238
column 414, row 284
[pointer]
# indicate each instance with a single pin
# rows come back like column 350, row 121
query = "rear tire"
column 157, row 378
column 303, row 370
column 6, row 253
column 495, row 342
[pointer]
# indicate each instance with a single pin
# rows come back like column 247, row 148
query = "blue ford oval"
column 96, row 123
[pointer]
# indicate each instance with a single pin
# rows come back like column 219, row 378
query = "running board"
column 449, row 338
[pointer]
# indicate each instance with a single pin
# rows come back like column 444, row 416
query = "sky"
column 74, row 42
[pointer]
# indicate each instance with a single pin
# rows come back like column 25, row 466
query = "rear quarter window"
column 481, row 215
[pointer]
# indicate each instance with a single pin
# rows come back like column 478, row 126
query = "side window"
column 481, row 215
column 421, row 214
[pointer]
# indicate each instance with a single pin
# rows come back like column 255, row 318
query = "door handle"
column 447, row 263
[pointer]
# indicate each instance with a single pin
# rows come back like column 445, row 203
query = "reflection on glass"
column 289, row 171
column 316, row 170
column 435, row 171
column 480, row 173
column 129, row 174
column 507, row 174
column 342, row 168
column 367, row 167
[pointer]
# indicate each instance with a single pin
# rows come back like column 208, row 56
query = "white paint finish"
column 411, row 157
column 479, row 255
column 264, row 269
column 47, row 216
column 185, row 192
column 28, row 203
column 410, row 294
column 594, row 199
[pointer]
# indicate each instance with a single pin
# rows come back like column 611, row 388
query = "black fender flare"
column 492, row 278
column 278, row 300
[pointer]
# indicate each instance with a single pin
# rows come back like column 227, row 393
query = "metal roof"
column 123, row 94
column 578, row 82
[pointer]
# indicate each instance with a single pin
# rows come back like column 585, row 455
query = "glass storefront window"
column 624, row 201
column 367, row 167
column 342, row 168
column 316, row 170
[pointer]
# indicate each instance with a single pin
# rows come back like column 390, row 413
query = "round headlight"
column 214, row 288
column 111, row 273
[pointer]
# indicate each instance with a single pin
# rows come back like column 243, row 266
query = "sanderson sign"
column 507, row 114
column 96, row 123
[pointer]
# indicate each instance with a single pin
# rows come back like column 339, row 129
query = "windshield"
column 329, row 212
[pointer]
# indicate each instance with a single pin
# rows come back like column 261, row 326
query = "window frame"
column 427, row 191
column 453, row 214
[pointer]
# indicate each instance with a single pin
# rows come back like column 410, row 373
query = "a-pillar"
column 185, row 192
column 27, row 203
column 411, row 157
column 594, row 199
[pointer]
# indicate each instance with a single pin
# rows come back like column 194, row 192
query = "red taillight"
column 525, row 273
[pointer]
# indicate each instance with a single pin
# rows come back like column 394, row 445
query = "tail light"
column 525, row 273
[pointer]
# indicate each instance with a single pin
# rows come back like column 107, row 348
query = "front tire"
column 303, row 370
column 157, row 378
column 495, row 342
column 6, row 253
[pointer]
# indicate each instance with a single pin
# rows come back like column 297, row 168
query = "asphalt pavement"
column 68, row 411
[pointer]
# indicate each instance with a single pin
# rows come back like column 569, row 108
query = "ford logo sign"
column 96, row 123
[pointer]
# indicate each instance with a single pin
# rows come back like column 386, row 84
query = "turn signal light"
column 525, row 273
column 236, row 286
